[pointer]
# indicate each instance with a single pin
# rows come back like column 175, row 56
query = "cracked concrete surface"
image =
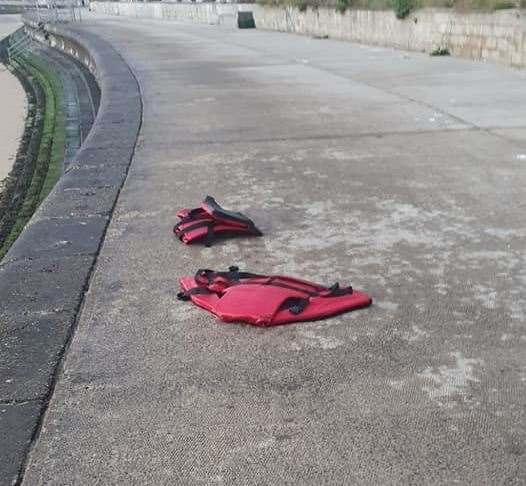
column 401, row 173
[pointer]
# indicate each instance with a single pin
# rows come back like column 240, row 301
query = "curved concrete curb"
column 45, row 274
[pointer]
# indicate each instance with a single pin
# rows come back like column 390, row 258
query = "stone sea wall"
column 498, row 37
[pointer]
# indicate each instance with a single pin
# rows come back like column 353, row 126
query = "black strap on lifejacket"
column 233, row 274
column 210, row 234
column 273, row 283
column 226, row 215
column 186, row 294
column 295, row 305
column 335, row 290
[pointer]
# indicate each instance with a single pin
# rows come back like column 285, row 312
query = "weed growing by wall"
column 402, row 8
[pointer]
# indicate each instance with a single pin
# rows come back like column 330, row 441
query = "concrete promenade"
column 401, row 173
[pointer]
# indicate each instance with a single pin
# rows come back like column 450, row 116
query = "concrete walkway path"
column 401, row 173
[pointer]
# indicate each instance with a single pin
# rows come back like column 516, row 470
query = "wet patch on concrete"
column 451, row 381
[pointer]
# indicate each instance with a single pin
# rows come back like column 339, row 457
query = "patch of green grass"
column 342, row 6
column 402, row 8
column 302, row 5
column 56, row 158
column 484, row 5
column 440, row 51
column 504, row 5
column 48, row 166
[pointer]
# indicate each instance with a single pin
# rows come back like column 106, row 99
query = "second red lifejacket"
column 204, row 222
column 267, row 300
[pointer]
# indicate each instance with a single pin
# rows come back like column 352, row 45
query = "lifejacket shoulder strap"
column 217, row 279
column 211, row 206
column 206, row 276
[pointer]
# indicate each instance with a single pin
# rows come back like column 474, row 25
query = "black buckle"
column 335, row 290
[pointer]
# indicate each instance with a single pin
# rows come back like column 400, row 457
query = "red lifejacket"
column 267, row 300
column 210, row 218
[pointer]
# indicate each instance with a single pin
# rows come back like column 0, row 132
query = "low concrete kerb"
column 46, row 272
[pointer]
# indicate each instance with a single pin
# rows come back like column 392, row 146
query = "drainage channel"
column 67, row 107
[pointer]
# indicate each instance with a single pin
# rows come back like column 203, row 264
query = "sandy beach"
column 12, row 105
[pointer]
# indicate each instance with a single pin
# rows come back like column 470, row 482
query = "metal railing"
column 54, row 11
column 37, row 14
column 19, row 43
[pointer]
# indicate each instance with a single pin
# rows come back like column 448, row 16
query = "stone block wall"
column 498, row 37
